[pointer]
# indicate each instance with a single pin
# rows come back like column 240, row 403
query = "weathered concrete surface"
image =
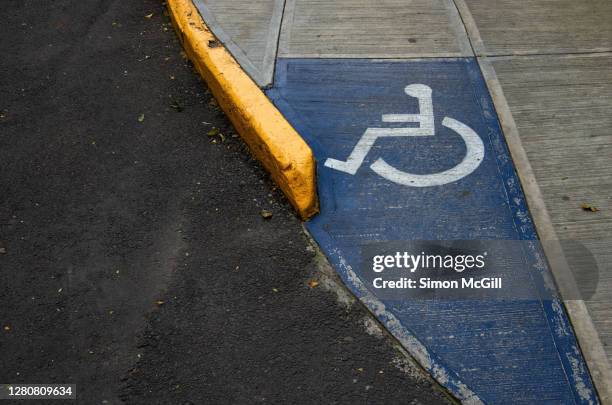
column 561, row 105
column 543, row 26
column 363, row 28
column 555, row 113
column 249, row 29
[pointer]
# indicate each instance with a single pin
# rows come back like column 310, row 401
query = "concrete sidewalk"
column 333, row 67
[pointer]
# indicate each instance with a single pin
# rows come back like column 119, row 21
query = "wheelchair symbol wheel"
column 472, row 159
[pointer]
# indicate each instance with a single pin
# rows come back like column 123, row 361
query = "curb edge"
column 271, row 139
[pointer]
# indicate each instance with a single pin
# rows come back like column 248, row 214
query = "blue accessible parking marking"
column 412, row 150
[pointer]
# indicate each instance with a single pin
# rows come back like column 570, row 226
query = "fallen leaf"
column 176, row 106
column 149, row 15
column 160, row 302
column 313, row 283
column 265, row 214
column 589, row 207
column 141, row 118
column 213, row 132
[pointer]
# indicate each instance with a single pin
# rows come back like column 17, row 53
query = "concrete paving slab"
column 363, row 28
column 543, row 26
column 562, row 106
column 490, row 351
column 249, row 29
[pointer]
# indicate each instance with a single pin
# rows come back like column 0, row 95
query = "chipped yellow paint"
column 270, row 137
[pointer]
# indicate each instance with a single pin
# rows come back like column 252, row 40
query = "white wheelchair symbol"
column 425, row 119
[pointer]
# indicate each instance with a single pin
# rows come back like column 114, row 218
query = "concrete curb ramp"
column 269, row 136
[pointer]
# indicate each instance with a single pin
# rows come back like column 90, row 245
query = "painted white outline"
column 474, row 146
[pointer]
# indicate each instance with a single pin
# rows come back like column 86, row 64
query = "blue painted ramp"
column 491, row 351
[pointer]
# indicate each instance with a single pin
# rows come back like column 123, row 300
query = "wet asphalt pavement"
column 134, row 261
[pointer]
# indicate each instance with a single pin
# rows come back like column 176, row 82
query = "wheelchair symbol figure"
column 425, row 119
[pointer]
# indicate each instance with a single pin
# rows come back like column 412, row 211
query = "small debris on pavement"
column 313, row 283
column 213, row 132
column 7, row 328
column 213, row 43
column 160, row 302
column 265, row 214
column 141, row 118
column 176, row 106
column 275, row 290
column 2, row 250
column 149, row 15
column 589, row 207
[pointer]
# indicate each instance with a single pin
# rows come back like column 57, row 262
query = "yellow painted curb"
column 270, row 137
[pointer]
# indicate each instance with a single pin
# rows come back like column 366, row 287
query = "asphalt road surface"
column 134, row 259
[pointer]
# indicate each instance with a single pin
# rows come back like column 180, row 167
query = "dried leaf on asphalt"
column 176, row 106
column 213, row 132
column 141, row 118
column 313, row 283
column 265, row 214
column 589, row 207
column 149, row 15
